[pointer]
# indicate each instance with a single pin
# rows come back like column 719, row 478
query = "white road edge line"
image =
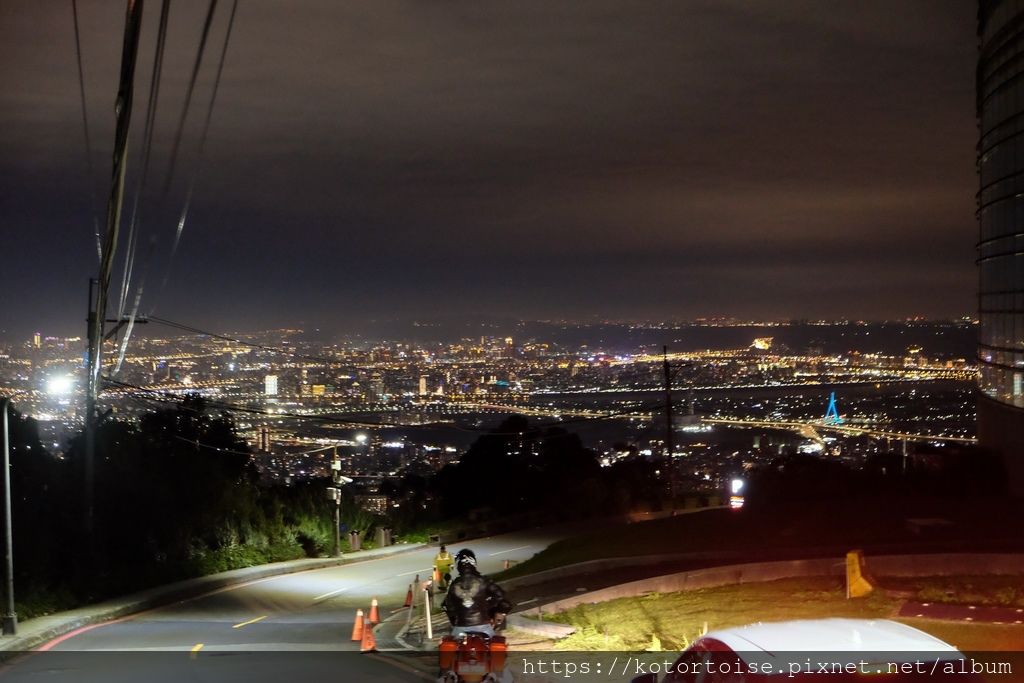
column 510, row 550
column 327, row 595
column 418, row 571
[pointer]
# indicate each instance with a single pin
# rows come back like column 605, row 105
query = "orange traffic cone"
column 408, row 597
column 374, row 618
column 359, row 626
column 369, row 643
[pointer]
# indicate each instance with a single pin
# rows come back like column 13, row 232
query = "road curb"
column 535, row 627
column 182, row 591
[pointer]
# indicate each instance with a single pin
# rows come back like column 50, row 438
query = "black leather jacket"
column 473, row 600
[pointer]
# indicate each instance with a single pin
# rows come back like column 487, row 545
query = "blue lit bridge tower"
column 831, row 413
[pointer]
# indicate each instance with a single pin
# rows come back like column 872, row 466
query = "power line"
column 199, row 154
column 290, row 454
column 188, row 95
column 88, row 138
column 177, row 141
column 231, row 407
column 98, row 307
column 147, row 149
column 263, row 347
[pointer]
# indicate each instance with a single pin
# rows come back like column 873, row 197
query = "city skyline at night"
column 693, row 330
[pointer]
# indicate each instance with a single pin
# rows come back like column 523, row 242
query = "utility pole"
column 669, row 445
column 91, row 393
column 10, row 618
column 335, row 473
column 98, row 303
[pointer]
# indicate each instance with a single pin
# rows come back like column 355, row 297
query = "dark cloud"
column 633, row 159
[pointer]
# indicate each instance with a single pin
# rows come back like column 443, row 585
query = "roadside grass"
column 675, row 620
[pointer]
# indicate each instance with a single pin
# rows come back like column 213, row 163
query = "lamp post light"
column 10, row 618
column 334, row 493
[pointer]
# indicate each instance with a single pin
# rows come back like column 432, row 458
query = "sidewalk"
column 35, row 632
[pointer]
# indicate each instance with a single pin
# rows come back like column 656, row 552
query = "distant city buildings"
column 1000, row 112
column 416, row 407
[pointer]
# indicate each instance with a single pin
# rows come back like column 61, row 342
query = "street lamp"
column 10, row 618
column 334, row 493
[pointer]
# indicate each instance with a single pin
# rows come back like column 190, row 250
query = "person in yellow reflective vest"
column 443, row 565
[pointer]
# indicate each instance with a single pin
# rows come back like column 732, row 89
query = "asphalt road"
column 294, row 627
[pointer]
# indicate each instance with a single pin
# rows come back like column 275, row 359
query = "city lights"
column 60, row 386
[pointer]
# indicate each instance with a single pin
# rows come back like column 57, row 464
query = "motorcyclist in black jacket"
column 474, row 602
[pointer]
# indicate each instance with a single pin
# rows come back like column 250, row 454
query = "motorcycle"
column 473, row 657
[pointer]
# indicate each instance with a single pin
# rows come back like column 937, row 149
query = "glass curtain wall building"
column 1000, row 111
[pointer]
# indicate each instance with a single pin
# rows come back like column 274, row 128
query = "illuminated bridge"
column 810, row 429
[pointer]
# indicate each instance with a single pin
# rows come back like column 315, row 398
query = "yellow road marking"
column 195, row 650
column 251, row 621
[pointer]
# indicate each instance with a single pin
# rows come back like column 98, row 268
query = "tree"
column 517, row 468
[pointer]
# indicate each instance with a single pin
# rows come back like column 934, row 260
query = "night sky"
column 571, row 160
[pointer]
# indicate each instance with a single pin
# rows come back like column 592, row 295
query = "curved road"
column 290, row 628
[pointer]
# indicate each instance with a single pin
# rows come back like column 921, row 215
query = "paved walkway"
column 35, row 632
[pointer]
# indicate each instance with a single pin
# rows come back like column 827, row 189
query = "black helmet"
column 465, row 561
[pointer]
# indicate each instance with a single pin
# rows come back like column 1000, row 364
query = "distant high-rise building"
column 423, row 385
column 377, row 385
column 1000, row 111
column 37, row 340
column 270, row 385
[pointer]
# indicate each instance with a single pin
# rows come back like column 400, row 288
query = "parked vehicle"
column 833, row 650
